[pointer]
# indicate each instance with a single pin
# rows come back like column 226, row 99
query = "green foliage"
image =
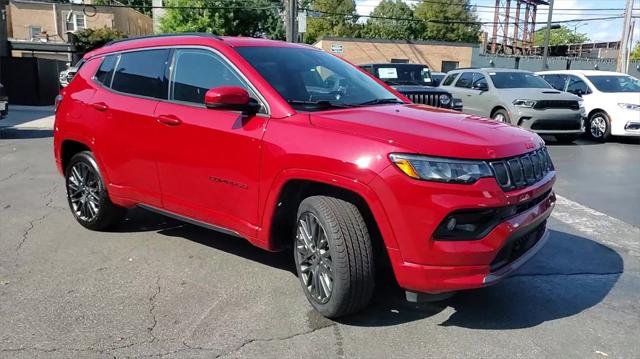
column 635, row 53
column 88, row 39
column 256, row 18
column 561, row 36
column 332, row 25
column 392, row 29
column 453, row 10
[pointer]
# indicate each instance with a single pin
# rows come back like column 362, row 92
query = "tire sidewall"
column 87, row 158
column 607, row 123
column 504, row 113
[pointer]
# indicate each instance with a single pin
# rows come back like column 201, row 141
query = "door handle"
column 100, row 106
column 169, row 120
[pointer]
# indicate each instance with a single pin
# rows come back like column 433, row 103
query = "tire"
column 599, row 126
column 501, row 115
column 344, row 260
column 87, row 195
column 566, row 138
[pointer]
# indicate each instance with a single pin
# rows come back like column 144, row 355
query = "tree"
column 456, row 21
column 635, row 53
column 388, row 28
column 256, row 18
column 334, row 18
column 561, row 36
column 86, row 40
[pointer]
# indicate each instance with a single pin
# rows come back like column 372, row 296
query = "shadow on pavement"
column 16, row 133
column 569, row 275
column 586, row 141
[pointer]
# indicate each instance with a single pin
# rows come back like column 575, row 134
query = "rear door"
column 127, row 101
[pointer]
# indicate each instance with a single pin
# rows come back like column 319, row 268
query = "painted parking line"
column 598, row 226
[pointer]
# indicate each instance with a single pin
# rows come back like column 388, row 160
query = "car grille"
column 522, row 171
column 545, row 104
column 431, row 99
column 516, row 247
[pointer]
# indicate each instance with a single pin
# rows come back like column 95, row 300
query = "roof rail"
column 175, row 34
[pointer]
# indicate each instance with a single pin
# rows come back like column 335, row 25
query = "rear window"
column 142, row 73
column 105, row 72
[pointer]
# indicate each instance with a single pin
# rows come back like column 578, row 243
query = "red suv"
column 290, row 147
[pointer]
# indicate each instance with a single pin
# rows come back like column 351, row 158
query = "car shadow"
column 586, row 141
column 569, row 275
column 23, row 133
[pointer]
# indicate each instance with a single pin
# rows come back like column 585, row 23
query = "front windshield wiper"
column 321, row 104
column 380, row 101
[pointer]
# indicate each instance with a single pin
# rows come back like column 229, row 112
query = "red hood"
column 431, row 131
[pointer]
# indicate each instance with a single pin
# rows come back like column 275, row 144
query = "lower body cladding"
column 512, row 237
column 552, row 121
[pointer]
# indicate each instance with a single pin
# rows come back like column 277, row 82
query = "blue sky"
column 605, row 30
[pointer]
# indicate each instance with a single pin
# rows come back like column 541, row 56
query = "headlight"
column 445, row 99
column 524, row 103
column 441, row 169
column 629, row 106
column 581, row 103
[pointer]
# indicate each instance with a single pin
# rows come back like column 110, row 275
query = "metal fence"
column 29, row 80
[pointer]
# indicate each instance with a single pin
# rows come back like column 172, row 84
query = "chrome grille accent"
column 522, row 171
column 431, row 99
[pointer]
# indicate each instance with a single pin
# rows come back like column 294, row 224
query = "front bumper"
column 550, row 121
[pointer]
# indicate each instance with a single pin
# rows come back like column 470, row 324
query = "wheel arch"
column 596, row 110
column 496, row 108
column 68, row 149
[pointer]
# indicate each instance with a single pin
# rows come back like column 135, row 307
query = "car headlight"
column 629, row 106
column 441, row 169
column 581, row 103
column 445, row 99
column 524, row 103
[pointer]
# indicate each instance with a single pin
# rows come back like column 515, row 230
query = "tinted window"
column 615, row 83
column 105, row 72
column 465, row 80
column 512, row 80
column 449, row 80
column 556, row 81
column 197, row 71
column 404, row 74
column 142, row 73
column 576, row 85
column 478, row 80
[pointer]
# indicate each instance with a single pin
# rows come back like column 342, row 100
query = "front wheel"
column 599, row 126
column 333, row 256
column 501, row 116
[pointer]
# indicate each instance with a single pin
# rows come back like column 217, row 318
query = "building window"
column 449, row 65
column 74, row 21
column 35, row 33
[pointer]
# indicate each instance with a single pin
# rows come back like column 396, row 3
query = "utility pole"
column 623, row 54
column 291, row 18
column 547, row 35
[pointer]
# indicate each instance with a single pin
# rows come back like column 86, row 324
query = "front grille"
column 516, row 247
column 557, row 125
column 545, row 104
column 522, row 171
column 431, row 99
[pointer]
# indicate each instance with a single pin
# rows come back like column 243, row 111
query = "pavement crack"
column 254, row 340
column 25, row 234
column 152, row 310
column 11, row 175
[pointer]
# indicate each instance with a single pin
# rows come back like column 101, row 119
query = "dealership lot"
column 158, row 287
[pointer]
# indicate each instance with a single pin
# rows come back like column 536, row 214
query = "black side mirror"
column 577, row 92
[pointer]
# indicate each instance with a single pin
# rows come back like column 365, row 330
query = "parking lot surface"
column 159, row 287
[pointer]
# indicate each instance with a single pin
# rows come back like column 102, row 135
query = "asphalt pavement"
column 159, row 287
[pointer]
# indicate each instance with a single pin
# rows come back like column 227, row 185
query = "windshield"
column 615, row 83
column 404, row 74
column 313, row 80
column 512, row 80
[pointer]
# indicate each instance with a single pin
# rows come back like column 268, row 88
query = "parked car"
column 4, row 102
column 67, row 75
column 414, row 82
column 233, row 134
column 437, row 77
column 611, row 100
column 520, row 98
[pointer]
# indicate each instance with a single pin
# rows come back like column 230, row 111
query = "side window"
column 465, row 80
column 197, row 71
column 142, row 73
column 478, row 79
column 105, row 72
column 576, row 85
column 449, row 80
column 556, row 81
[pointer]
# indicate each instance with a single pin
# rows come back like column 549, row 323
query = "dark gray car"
column 520, row 98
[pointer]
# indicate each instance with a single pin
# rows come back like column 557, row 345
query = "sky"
column 604, row 30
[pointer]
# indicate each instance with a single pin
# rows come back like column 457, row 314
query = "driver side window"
column 576, row 85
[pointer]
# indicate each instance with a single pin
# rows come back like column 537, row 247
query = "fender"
column 360, row 188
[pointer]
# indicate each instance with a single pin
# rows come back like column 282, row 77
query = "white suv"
column 611, row 99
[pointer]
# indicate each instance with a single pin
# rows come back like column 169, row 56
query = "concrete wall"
column 431, row 53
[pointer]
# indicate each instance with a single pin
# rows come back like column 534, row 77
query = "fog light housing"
column 468, row 224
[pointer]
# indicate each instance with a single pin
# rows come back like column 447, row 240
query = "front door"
column 209, row 160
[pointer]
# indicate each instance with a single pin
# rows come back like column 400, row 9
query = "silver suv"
column 520, row 98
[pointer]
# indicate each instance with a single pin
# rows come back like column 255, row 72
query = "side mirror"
column 232, row 98
column 577, row 92
column 481, row 87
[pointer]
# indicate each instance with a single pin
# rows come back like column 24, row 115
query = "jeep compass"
column 257, row 139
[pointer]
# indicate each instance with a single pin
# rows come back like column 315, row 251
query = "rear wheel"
column 599, row 126
column 333, row 256
column 501, row 115
column 87, row 194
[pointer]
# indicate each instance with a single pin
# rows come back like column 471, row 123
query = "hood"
column 536, row 94
column 417, row 89
column 618, row 97
column 431, row 131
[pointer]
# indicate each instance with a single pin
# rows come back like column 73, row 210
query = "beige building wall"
column 363, row 51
